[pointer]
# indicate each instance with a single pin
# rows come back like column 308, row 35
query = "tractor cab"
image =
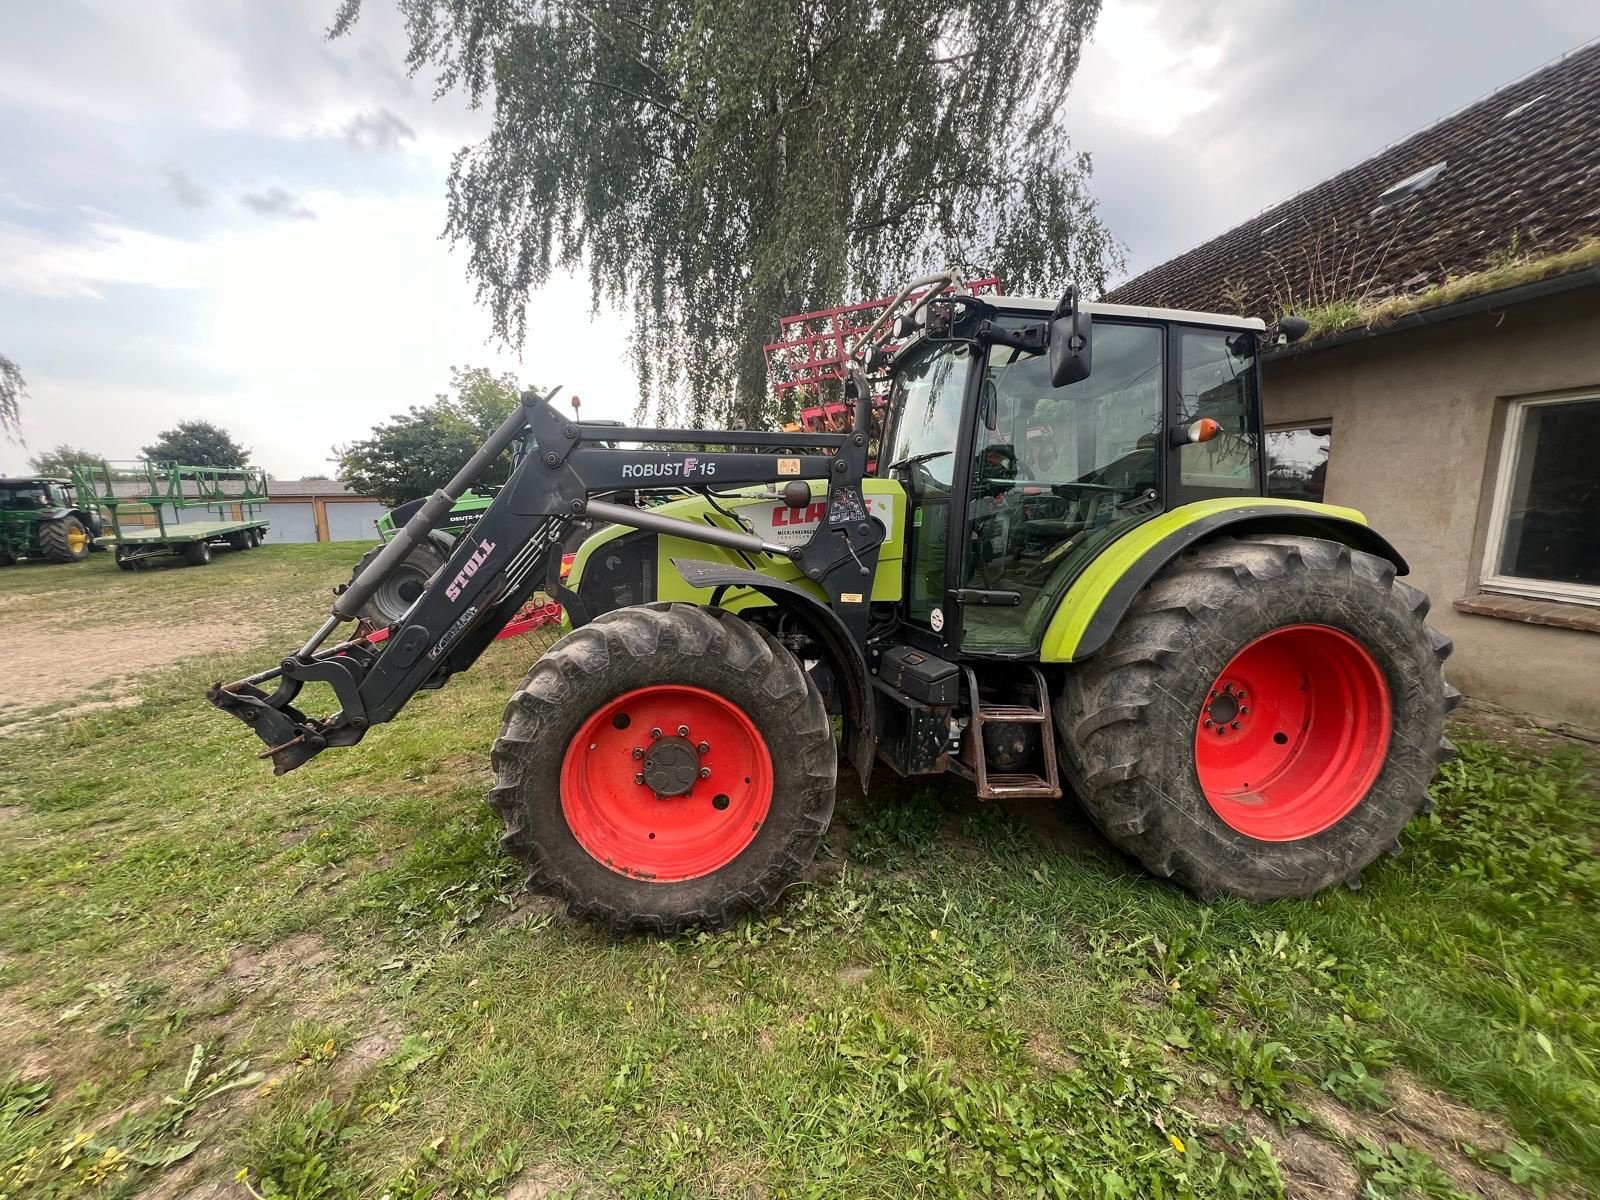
column 1016, row 480
column 36, row 494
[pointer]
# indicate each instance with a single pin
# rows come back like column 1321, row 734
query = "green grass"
column 960, row 1002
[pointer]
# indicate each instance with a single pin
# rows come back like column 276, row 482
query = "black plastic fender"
column 844, row 657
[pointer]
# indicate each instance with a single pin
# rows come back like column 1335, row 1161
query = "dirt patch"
column 1321, row 1167
column 46, row 662
column 1052, row 1057
column 539, row 1183
column 251, row 969
column 355, row 1062
column 1313, row 1168
column 1507, row 725
column 203, row 1177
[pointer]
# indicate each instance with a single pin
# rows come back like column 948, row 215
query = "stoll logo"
column 479, row 556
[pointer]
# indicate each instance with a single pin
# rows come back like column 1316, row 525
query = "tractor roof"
column 24, row 479
column 1137, row 312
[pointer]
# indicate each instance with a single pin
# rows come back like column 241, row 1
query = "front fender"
column 1097, row 600
column 824, row 627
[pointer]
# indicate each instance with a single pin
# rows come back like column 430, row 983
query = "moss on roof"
column 1338, row 316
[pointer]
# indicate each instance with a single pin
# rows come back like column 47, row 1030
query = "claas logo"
column 783, row 515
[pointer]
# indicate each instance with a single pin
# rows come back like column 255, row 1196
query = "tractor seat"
column 1050, row 529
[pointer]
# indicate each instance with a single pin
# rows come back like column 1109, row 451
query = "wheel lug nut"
column 683, row 731
column 1244, row 712
column 1208, row 722
column 638, row 751
column 638, row 778
column 705, row 772
column 1236, row 724
column 655, row 733
column 704, row 747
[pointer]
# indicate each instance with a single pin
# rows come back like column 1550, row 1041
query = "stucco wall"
column 1416, row 433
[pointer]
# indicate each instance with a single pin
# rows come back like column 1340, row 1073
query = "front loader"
column 1060, row 571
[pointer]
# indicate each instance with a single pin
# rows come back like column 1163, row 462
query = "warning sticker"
column 788, row 466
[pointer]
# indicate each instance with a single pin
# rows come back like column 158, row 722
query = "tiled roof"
column 309, row 487
column 1520, row 177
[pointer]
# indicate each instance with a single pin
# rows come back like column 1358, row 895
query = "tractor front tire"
column 1266, row 719
column 664, row 768
column 64, row 540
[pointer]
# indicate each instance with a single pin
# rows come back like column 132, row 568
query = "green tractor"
column 1060, row 571
column 41, row 517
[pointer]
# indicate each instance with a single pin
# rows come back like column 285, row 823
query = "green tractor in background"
column 41, row 517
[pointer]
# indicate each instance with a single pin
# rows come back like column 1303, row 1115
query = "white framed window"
column 1544, row 524
column 1297, row 460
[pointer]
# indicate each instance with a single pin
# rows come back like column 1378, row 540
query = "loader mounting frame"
column 515, row 549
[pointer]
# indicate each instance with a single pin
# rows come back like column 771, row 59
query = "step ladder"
column 1004, row 785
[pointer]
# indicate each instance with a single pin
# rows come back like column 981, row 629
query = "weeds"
column 959, row 1007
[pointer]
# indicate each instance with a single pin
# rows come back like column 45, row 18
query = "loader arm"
column 510, row 551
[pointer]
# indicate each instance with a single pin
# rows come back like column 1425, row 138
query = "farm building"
column 320, row 510
column 1450, row 385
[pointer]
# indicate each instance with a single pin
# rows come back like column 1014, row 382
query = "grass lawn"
column 215, row 983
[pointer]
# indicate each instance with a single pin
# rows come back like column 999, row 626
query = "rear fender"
column 1100, row 597
column 824, row 628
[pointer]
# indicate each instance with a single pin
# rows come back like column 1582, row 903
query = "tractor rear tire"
column 406, row 582
column 64, row 540
column 197, row 553
column 1265, row 721
column 590, row 739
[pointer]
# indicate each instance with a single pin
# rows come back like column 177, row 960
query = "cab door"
column 926, row 404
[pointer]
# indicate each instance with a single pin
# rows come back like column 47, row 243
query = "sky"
column 209, row 210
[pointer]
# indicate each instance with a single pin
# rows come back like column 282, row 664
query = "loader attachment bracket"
column 291, row 737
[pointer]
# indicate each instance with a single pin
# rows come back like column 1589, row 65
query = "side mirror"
column 1071, row 331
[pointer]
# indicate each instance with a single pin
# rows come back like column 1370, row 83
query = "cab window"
column 1217, row 379
column 1056, row 473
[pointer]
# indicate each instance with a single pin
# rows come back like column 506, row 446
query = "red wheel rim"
column 1293, row 733
column 621, row 820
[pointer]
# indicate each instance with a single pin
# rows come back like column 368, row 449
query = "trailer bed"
column 176, row 534
column 189, row 540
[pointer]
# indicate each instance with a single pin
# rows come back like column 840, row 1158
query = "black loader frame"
column 515, row 549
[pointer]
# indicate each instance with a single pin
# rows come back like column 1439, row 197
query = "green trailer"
column 150, row 506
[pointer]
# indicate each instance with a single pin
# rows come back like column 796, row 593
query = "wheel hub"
column 666, row 782
column 671, row 767
column 1293, row 733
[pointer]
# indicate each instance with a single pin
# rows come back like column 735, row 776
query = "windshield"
column 22, row 495
column 926, row 402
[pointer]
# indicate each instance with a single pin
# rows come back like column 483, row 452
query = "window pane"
column 1217, row 383
column 1551, row 530
column 1056, row 472
column 1297, row 462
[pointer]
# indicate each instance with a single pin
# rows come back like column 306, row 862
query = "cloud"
column 377, row 130
column 185, row 190
column 275, row 202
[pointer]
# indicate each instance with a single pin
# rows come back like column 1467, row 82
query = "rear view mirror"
column 1071, row 332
